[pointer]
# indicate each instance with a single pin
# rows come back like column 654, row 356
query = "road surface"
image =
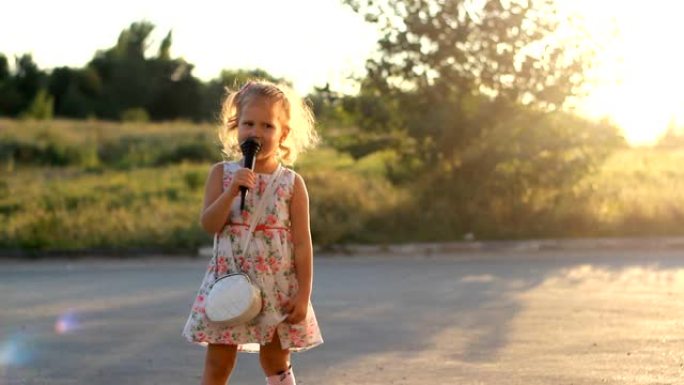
column 499, row 317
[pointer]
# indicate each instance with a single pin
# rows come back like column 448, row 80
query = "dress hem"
column 295, row 349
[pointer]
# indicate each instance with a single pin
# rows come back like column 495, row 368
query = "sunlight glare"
column 638, row 78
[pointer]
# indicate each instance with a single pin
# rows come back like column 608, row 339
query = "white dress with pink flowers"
column 269, row 263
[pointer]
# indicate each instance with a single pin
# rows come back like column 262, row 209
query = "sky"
column 309, row 42
column 638, row 81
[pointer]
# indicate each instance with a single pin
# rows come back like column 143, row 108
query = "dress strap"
column 291, row 177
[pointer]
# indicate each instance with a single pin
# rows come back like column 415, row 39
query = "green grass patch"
column 67, row 185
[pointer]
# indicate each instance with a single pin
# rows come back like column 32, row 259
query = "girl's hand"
column 297, row 310
column 242, row 177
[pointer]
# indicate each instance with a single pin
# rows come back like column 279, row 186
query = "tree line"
column 118, row 83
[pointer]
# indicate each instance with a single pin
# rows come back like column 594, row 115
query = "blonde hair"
column 298, row 118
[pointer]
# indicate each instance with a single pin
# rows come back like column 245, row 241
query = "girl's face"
column 262, row 119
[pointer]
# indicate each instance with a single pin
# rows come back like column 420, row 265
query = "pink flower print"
column 281, row 192
column 200, row 298
column 296, row 337
column 271, row 220
column 243, row 263
column 261, row 265
column 262, row 186
column 245, row 216
column 200, row 336
column 235, row 230
column 269, row 234
column 222, row 265
column 199, row 309
column 273, row 262
column 227, row 337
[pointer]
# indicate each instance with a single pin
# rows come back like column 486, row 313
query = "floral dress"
column 269, row 263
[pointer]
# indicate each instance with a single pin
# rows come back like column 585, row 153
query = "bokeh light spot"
column 67, row 322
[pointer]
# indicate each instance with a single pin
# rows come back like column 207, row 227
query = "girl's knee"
column 274, row 359
column 219, row 363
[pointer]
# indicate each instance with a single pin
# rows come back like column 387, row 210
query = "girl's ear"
column 286, row 132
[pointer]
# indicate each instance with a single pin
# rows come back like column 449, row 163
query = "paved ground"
column 498, row 317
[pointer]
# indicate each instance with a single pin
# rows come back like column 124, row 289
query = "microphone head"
column 250, row 147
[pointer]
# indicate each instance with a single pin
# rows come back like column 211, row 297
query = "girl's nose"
column 251, row 131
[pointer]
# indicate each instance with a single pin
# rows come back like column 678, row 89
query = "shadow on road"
column 456, row 308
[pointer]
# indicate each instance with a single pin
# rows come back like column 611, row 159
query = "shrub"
column 137, row 115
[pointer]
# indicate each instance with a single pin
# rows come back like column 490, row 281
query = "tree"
column 74, row 91
column 164, row 87
column 10, row 99
column 480, row 87
column 19, row 88
column 133, row 41
column 452, row 68
column 165, row 47
column 510, row 49
column 28, row 79
column 4, row 69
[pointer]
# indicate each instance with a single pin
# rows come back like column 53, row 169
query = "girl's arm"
column 217, row 202
column 303, row 250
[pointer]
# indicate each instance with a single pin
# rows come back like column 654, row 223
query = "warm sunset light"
column 639, row 75
column 435, row 191
column 637, row 83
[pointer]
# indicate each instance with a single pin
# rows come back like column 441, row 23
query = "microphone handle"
column 243, row 195
column 249, row 163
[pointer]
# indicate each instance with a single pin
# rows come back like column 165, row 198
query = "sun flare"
column 638, row 78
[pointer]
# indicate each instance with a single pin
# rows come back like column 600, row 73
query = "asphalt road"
column 570, row 317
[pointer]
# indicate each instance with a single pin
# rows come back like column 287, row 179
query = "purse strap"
column 253, row 220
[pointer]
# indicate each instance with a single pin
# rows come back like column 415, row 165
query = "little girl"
column 279, row 258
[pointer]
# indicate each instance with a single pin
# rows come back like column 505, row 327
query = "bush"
column 41, row 107
column 343, row 203
column 99, row 144
column 136, row 115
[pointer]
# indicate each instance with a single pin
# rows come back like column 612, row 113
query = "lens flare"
column 13, row 352
column 66, row 322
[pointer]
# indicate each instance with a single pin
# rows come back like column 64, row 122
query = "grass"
column 93, row 185
column 638, row 192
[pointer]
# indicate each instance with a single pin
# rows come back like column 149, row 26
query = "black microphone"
column 250, row 148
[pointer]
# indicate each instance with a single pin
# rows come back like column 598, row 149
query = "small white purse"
column 234, row 299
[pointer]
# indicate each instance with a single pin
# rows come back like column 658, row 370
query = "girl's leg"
column 218, row 364
column 276, row 363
